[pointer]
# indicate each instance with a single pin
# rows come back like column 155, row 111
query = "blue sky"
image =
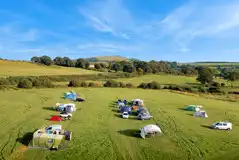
column 182, row 30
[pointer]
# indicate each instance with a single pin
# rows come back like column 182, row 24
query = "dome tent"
column 193, row 108
column 150, row 130
column 70, row 95
column 56, row 118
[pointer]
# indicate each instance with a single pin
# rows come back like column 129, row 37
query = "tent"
column 150, row 130
column 137, row 102
column 135, row 108
column 70, row 95
column 201, row 114
column 121, row 104
column 56, row 118
column 194, row 108
column 125, row 109
column 143, row 114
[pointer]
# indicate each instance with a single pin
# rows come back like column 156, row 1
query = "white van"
column 222, row 126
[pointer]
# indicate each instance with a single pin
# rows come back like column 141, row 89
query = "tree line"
column 205, row 74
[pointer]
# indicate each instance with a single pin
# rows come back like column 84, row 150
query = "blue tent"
column 125, row 109
column 70, row 95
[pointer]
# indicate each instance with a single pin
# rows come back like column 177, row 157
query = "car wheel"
column 228, row 129
column 217, row 128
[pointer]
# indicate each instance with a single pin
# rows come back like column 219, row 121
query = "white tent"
column 150, row 130
column 201, row 114
column 139, row 101
column 121, row 104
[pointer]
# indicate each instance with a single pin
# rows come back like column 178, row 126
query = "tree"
column 46, row 60
column 58, row 61
column 140, row 72
column 117, row 67
column 81, row 63
column 205, row 75
column 97, row 66
column 233, row 76
column 68, row 62
column 128, row 68
column 25, row 83
column 87, row 65
column 103, row 65
column 36, row 59
column 188, row 70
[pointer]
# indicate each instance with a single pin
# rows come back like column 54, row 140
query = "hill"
column 107, row 59
column 19, row 68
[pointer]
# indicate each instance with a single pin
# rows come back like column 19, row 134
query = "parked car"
column 222, row 126
column 65, row 115
column 125, row 115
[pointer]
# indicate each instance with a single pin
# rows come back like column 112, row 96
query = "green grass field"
column 162, row 79
column 99, row 132
column 11, row 68
column 170, row 79
column 216, row 64
column 109, row 58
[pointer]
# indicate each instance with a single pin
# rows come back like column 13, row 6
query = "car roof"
column 224, row 122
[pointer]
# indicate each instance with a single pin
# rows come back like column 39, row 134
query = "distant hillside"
column 107, row 59
column 214, row 64
column 20, row 68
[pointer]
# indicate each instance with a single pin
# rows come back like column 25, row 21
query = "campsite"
column 119, row 80
column 99, row 133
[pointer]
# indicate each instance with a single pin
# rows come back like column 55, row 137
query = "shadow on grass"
column 182, row 109
column 116, row 110
column 193, row 84
column 206, row 126
column 134, row 113
column 130, row 118
column 130, row 133
column 26, row 139
column 118, row 115
column 49, row 108
column 189, row 114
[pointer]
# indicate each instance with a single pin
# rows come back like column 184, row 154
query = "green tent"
column 191, row 108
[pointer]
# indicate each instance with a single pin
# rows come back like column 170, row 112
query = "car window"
column 224, row 124
column 219, row 124
column 49, row 128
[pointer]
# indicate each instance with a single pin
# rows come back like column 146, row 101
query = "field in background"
column 215, row 64
column 162, row 79
column 17, row 68
column 99, row 132
column 107, row 59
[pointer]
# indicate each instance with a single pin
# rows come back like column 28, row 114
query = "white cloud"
column 109, row 16
column 201, row 19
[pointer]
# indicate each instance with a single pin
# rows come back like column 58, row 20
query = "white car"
column 65, row 115
column 222, row 126
column 125, row 115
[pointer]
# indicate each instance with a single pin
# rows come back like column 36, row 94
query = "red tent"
column 56, row 118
